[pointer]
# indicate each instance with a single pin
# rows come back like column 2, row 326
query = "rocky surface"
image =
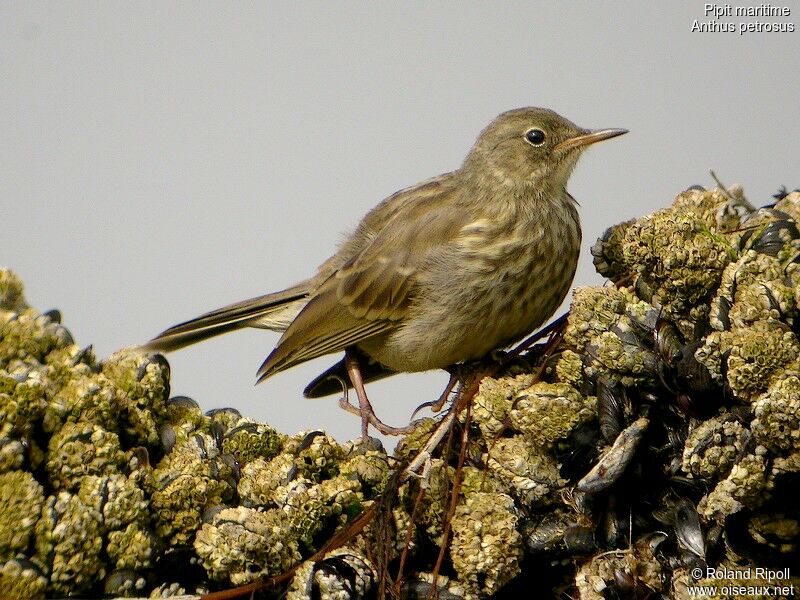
column 658, row 439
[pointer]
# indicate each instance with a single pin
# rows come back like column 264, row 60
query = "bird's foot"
column 368, row 417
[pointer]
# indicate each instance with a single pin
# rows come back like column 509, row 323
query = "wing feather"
column 369, row 293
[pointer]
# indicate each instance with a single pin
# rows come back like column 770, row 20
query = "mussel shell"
column 613, row 464
column 688, row 529
column 183, row 402
column 611, row 401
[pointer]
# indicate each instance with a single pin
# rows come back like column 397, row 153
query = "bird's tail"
column 272, row 311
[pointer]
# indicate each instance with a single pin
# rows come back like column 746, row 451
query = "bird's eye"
column 535, row 137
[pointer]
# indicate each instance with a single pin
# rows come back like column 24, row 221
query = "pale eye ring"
column 535, row 137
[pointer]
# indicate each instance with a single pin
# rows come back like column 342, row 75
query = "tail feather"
column 262, row 311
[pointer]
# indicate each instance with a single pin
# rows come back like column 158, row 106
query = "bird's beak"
column 589, row 137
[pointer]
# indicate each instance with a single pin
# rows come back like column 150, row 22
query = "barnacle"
column 635, row 569
column 12, row 454
column 607, row 253
column 22, row 578
column 30, row 337
column 777, row 415
column 747, row 484
column 89, row 399
column 621, row 355
column 755, row 288
column 486, row 548
column 678, row 256
column 80, row 449
column 569, row 369
column 134, row 547
column 594, row 310
column 310, row 507
column 721, row 209
column 611, row 328
column 475, row 479
column 12, row 292
column 243, row 544
column 713, row 447
column 183, row 411
column 69, row 541
column 118, row 498
column 492, row 404
column 317, row 455
column 368, row 465
column 491, row 407
column 260, row 479
column 548, row 412
column 21, row 500
column 183, row 485
column 531, row 474
column 142, row 382
column 749, row 359
column 248, row 440
column 342, row 573
column 411, row 444
column 757, row 356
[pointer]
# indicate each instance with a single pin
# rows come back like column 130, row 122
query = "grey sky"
column 161, row 159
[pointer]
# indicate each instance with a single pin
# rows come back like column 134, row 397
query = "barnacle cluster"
column 659, row 434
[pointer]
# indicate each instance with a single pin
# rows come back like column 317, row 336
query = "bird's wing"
column 371, row 292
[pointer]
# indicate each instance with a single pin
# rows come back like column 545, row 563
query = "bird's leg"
column 368, row 416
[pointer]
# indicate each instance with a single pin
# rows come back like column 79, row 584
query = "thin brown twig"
column 451, row 511
column 407, row 542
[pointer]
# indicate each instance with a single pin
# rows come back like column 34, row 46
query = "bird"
column 438, row 274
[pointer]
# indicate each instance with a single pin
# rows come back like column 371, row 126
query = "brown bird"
column 437, row 274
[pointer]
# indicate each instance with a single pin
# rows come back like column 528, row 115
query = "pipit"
column 437, row 274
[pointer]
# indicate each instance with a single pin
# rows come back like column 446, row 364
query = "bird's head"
column 532, row 146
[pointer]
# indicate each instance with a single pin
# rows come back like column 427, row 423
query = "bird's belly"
column 481, row 311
